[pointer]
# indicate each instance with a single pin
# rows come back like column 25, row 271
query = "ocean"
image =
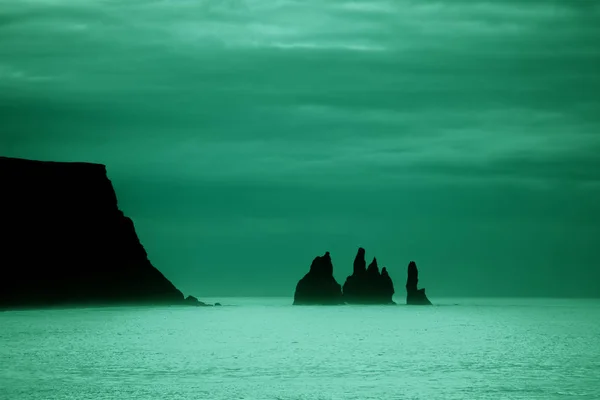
column 264, row 348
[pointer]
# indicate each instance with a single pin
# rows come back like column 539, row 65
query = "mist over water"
column 264, row 348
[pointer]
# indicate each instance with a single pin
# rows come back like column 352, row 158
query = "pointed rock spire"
column 373, row 268
column 367, row 285
column 319, row 286
column 360, row 265
column 414, row 296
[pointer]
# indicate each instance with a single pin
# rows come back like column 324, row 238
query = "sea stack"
column 367, row 285
column 414, row 296
column 66, row 243
column 318, row 286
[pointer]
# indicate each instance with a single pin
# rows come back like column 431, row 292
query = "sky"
column 244, row 138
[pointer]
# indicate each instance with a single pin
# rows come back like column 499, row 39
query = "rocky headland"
column 66, row 243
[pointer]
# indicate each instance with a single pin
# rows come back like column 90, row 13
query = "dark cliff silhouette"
column 65, row 241
column 368, row 285
column 414, row 296
column 318, row 286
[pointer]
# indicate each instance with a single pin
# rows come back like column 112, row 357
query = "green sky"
column 246, row 137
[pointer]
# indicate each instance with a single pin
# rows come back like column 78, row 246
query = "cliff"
column 368, row 285
column 318, row 286
column 65, row 241
column 414, row 296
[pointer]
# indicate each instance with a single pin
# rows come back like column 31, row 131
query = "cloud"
column 292, row 90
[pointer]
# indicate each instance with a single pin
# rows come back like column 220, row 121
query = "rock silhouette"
column 318, row 286
column 191, row 300
column 367, row 285
column 414, row 296
column 65, row 241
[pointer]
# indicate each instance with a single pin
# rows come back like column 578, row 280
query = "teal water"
column 263, row 348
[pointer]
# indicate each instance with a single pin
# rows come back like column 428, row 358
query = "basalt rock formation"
column 368, row 285
column 193, row 301
column 65, row 241
column 414, row 296
column 318, row 286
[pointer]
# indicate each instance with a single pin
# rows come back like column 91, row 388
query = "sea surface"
column 264, row 348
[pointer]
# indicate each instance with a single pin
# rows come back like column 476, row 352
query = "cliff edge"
column 65, row 241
